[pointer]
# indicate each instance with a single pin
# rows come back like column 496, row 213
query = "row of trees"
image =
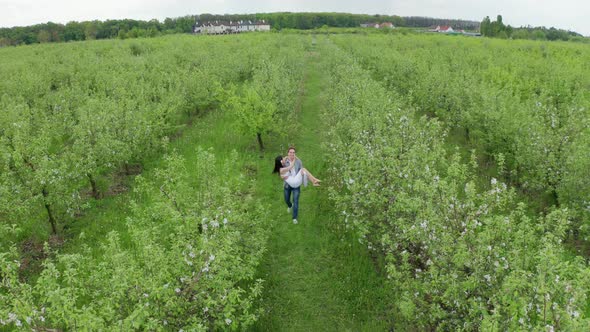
column 458, row 248
column 127, row 28
column 420, row 22
column 497, row 29
column 187, row 254
column 90, row 30
column 522, row 105
column 79, row 112
column 287, row 20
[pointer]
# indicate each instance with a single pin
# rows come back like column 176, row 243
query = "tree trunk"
column 95, row 192
column 555, row 197
column 49, row 213
column 259, row 137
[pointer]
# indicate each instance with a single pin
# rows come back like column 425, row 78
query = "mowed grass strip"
column 317, row 278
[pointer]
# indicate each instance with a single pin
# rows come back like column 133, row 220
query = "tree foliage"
column 83, row 111
column 499, row 30
column 460, row 254
column 190, row 264
column 264, row 104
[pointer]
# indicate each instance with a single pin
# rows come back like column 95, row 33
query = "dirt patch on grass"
column 116, row 189
column 121, row 180
column 33, row 255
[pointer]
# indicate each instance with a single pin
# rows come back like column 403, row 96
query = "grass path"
column 316, row 280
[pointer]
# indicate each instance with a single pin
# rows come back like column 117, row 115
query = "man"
column 291, row 158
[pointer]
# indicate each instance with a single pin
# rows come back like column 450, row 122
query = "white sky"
column 564, row 14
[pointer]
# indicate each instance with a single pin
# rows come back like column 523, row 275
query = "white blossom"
column 227, row 321
column 177, row 290
column 494, row 181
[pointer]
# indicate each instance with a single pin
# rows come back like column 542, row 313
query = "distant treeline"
column 75, row 31
column 89, row 30
column 421, row 22
column 499, row 30
column 127, row 28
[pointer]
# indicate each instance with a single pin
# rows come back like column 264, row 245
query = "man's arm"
column 299, row 164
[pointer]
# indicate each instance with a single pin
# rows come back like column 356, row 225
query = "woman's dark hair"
column 278, row 164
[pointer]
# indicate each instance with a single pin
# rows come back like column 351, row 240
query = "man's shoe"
column 295, row 221
column 288, row 210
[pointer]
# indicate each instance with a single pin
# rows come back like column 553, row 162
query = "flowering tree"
column 460, row 254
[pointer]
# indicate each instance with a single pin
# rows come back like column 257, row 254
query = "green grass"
column 318, row 279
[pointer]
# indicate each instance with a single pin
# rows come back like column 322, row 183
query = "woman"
column 296, row 180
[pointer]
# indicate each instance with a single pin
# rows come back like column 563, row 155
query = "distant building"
column 378, row 25
column 227, row 27
column 449, row 30
column 443, row 29
column 370, row 25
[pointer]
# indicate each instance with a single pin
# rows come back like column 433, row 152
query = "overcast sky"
column 564, row 14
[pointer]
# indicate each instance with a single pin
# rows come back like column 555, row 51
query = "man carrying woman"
column 291, row 170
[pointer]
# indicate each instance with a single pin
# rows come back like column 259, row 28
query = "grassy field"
column 317, row 277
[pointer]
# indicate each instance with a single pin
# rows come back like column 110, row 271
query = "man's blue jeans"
column 295, row 204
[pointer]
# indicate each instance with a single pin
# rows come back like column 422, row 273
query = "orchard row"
column 459, row 254
column 189, row 250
